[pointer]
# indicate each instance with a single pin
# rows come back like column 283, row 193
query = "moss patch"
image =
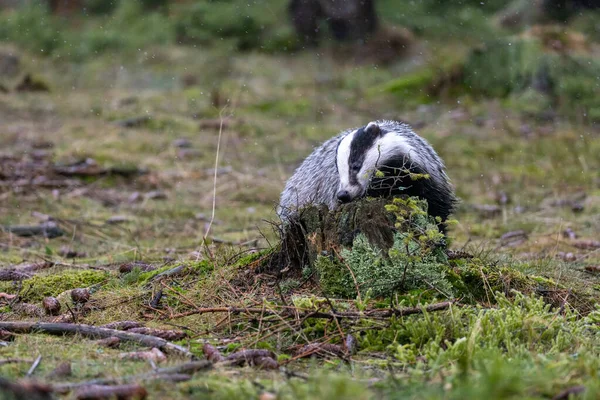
column 52, row 285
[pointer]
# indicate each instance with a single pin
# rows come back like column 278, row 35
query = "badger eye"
column 355, row 167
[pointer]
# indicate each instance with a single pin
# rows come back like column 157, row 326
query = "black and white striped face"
column 361, row 153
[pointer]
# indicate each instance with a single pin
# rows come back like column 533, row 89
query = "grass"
column 501, row 344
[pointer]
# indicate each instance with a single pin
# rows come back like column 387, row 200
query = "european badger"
column 384, row 158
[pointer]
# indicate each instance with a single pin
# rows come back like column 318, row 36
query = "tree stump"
column 316, row 231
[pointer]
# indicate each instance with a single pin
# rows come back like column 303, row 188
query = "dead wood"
column 13, row 275
column 566, row 394
column 47, row 230
column 316, row 231
column 34, row 366
column 96, row 392
column 25, row 390
column 156, row 374
column 248, row 356
column 383, row 313
column 112, row 342
column 90, row 168
column 95, row 332
column 170, row 272
column 34, row 267
column 321, row 350
column 161, row 333
column 211, row 353
column 6, row 336
column 123, row 325
column 586, row 244
column 153, row 355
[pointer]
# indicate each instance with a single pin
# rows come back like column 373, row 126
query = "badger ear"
column 373, row 129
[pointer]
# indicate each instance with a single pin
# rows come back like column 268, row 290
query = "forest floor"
column 120, row 155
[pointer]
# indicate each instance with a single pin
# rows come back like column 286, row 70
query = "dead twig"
column 95, row 332
column 34, row 366
column 94, row 392
column 25, row 390
column 158, row 373
column 374, row 314
column 565, row 394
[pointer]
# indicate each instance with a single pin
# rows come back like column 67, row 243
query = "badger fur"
column 383, row 158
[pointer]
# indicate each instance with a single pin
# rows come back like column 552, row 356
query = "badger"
column 383, row 158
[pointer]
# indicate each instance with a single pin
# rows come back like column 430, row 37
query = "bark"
column 94, row 332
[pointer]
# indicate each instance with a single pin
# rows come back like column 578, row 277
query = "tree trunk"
column 65, row 7
column 347, row 20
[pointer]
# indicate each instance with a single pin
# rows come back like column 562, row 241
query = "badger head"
column 364, row 151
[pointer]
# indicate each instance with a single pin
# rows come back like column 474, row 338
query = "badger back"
column 315, row 181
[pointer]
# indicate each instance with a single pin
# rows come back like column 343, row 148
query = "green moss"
column 414, row 260
column 52, row 285
column 254, row 259
column 409, row 86
column 334, row 278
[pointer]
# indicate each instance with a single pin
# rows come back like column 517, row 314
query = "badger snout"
column 344, row 196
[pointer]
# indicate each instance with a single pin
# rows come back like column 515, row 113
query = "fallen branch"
column 13, row 275
column 95, row 332
column 566, row 394
column 264, row 359
column 376, row 313
column 49, row 231
column 108, row 392
column 159, row 373
column 25, row 390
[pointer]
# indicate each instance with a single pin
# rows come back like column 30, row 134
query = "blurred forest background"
column 137, row 84
column 116, row 117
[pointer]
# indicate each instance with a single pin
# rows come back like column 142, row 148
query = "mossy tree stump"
column 316, row 231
